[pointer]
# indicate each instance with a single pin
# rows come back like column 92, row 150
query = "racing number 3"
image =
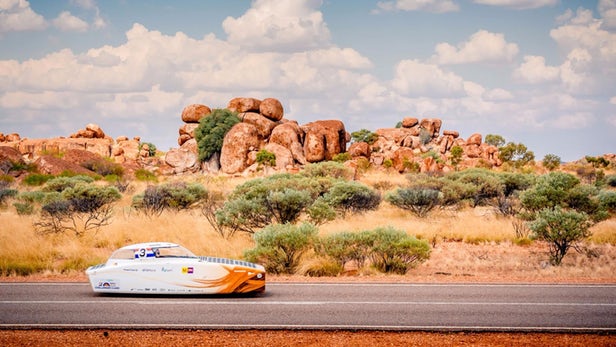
column 142, row 253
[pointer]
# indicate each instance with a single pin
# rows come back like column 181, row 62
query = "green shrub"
column 351, row 196
column 145, row 175
column 59, row 184
column 424, row 136
column 607, row 199
column 611, row 180
column 104, row 167
column 419, row 201
column 364, row 135
column 169, row 196
column 494, row 140
column 32, row 197
column 266, row 158
column 551, row 161
column 6, row 193
column 211, row 131
column 516, row 154
column 151, row 148
column 346, row 247
column 328, row 169
column 36, row 179
column 342, row 157
column 24, row 208
column 280, row 247
column 393, row 251
column 456, row 155
column 482, row 185
column 561, row 229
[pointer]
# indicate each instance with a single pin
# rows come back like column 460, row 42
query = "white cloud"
column 279, row 26
column 482, row 46
column 535, row 71
column 607, row 11
column 16, row 15
column 67, row 22
column 518, row 4
column 435, row 6
column 414, row 78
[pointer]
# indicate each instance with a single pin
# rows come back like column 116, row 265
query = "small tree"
column 80, row 208
column 456, row 155
column 364, row 135
column 351, row 196
column 551, row 161
column 419, row 201
column 212, row 130
column 266, row 158
column 280, row 247
column 516, row 154
column 494, row 140
column 561, row 229
column 394, row 251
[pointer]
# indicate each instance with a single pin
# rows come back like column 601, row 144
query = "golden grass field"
column 468, row 244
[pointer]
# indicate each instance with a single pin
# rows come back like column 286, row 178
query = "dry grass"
column 471, row 243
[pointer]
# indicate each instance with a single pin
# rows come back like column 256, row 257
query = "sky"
column 537, row 72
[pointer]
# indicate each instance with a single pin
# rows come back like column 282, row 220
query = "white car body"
column 168, row 268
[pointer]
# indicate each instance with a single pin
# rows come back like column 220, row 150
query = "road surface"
column 373, row 306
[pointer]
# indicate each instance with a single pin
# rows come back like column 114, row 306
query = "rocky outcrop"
column 51, row 165
column 9, row 158
column 241, row 105
column 324, row 139
column 91, row 131
column 272, row 109
column 193, row 113
column 239, row 142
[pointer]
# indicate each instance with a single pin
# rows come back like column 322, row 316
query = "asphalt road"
column 434, row 307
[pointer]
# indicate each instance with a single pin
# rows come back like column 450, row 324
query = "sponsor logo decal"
column 148, row 270
column 107, row 284
column 188, row 270
column 165, row 269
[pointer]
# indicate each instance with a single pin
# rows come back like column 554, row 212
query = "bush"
column 211, row 132
column 551, row 161
column 279, row 247
column 81, row 208
column 342, row 157
column 170, row 196
column 24, row 208
column 611, row 180
column 266, row 158
column 393, row 251
column 329, row 169
column 151, row 148
column 494, row 140
column 351, row 196
column 59, row 184
column 104, row 167
column 607, row 200
column 482, row 185
column 516, row 154
column 364, row 135
column 345, row 247
column 145, row 175
column 6, row 193
column 561, row 229
column 36, row 179
column 419, row 201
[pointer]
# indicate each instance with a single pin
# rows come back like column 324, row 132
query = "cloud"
column 482, row 46
column 271, row 25
column 590, row 53
column 535, row 71
column 435, row 6
column 518, row 4
column 607, row 11
column 16, row 15
column 414, row 78
column 67, row 22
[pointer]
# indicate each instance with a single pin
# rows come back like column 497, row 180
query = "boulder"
column 290, row 135
column 193, row 113
column 431, row 125
column 451, row 133
column 188, row 129
column 51, row 165
column 324, row 139
column 395, row 135
column 272, row 109
column 182, row 160
column 359, row 149
column 96, row 130
column 237, row 144
column 241, row 105
column 9, row 156
column 409, row 122
column 264, row 125
column 284, row 157
column 82, row 157
column 400, row 157
column 14, row 137
column 474, row 139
